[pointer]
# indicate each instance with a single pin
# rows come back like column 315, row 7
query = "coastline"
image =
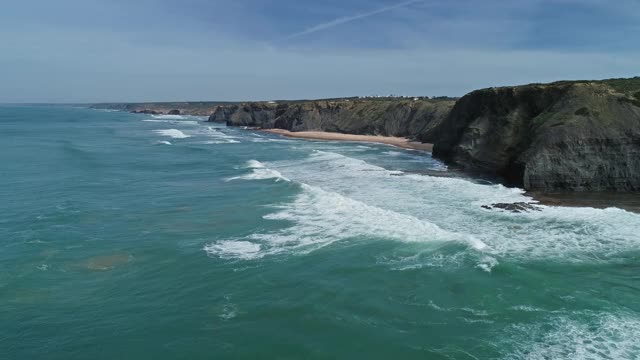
column 321, row 135
column 626, row 201
column 629, row 201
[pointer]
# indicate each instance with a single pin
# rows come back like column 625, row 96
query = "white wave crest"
column 175, row 122
column 169, row 117
column 319, row 213
column 259, row 172
column 174, row 133
column 216, row 136
column 320, row 218
column 600, row 337
column 244, row 250
column 255, row 164
column 164, row 142
column 210, row 142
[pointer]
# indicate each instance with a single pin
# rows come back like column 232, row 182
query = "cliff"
column 202, row 108
column 388, row 117
column 565, row 136
column 561, row 137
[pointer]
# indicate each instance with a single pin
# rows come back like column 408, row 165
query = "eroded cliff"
column 566, row 136
column 400, row 117
column 561, row 137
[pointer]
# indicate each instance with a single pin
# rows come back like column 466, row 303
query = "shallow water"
column 137, row 236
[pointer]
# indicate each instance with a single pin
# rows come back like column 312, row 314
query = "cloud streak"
column 348, row 19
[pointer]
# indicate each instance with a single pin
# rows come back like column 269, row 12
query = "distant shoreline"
column 321, row 135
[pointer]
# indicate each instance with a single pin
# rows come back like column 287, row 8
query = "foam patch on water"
column 244, row 250
column 215, row 136
column 43, row 267
column 567, row 234
column 394, row 153
column 255, row 164
column 164, row 142
column 212, row 142
column 169, row 117
column 175, row 122
column 601, row 337
column 173, row 133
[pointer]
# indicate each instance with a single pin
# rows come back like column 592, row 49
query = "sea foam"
column 244, row 250
column 604, row 336
column 455, row 205
column 174, row 133
column 215, row 136
column 259, row 172
column 175, row 122
column 320, row 218
column 343, row 197
column 169, row 117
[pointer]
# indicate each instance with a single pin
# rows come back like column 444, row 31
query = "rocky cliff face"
column 568, row 136
column 560, row 137
column 397, row 117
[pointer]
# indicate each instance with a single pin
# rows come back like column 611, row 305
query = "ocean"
column 130, row 236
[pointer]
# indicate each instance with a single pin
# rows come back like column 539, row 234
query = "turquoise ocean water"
column 129, row 236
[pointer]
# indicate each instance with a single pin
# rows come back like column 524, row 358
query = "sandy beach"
column 320, row 135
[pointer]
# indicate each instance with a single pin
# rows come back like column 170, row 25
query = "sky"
column 84, row 51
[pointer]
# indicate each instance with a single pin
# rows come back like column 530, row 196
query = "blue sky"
column 164, row 50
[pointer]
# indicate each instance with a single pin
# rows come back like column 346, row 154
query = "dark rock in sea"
column 197, row 108
column 560, row 137
column 513, row 207
column 147, row 111
column 174, row 112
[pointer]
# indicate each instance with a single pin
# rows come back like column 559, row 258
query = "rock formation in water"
column 147, row 111
column 565, row 136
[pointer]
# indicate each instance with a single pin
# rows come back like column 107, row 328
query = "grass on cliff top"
column 629, row 86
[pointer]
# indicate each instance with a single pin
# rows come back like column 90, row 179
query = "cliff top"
column 626, row 86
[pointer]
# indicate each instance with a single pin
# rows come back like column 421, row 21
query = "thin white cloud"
column 348, row 19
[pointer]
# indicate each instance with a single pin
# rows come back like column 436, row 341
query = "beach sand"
column 320, row 135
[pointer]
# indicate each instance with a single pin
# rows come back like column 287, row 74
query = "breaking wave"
column 169, row 117
column 343, row 197
column 173, row 133
column 259, row 172
column 175, row 122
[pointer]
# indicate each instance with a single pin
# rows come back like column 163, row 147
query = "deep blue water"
column 129, row 236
